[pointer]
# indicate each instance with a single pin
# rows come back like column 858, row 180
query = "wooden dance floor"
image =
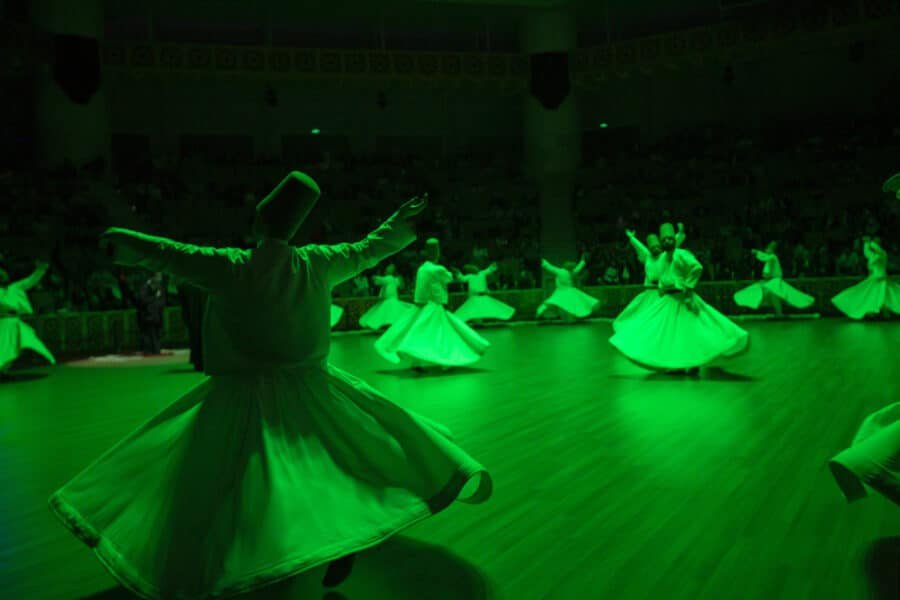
column 610, row 482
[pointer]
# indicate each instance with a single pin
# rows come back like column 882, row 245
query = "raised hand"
column 629, row 232
column 413, row 207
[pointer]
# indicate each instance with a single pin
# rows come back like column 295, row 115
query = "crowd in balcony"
column 817, row 195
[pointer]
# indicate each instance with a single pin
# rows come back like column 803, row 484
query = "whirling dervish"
column 16, row 335
column 277, row 462
column 873, row 459
column 774, row 290
column 336, row 312
column 681, row 332
column 647, row 256
column 876, row 294
column 432, row 335
column 390, row 309
column 571, row 302
column 479, row 305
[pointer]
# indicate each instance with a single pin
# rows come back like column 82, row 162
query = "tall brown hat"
column 666, row 230
column 286, row 207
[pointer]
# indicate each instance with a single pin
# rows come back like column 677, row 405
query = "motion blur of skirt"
column 17, row 336
column 869, row 297
column 573, row 301
column 250, row 479
column 754, row 295
column 671, row 335
column 873, row 459
column 386, row 312
column 484, row 307
column 643, row 301
column 432, row 335
column 336, row 313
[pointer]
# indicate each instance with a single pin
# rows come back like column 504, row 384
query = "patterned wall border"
column 94, row 333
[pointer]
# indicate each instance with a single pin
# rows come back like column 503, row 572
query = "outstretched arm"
column 491, row 270
column 582, row 263
column 681, row 236
column 341, row 262
column 763, row 256
column 207, row 268
column 643, row 253
column 551, row 268
column 33, row 279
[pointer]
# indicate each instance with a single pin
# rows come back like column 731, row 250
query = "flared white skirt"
column 434, row 336
column 16, row 336
column 639, row 304
column 336, row 313
column 754, row 295
column 670, row 334
column 869, row 297
column 484, row 307
column 572, row 301
column 386, row 312
column 249, row 479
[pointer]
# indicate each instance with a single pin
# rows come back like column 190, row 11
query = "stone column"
column 552, row 139
column 67, row 130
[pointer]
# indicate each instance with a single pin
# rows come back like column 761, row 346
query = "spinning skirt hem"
column 754, row 295
column 252, row 478
column 336, row 313
column 869, row 297
column 484, row 307
column 126, row 574
column 434, row 336
column 386, row 312
column 17, row 336
column 573, row 301
column 669, row 335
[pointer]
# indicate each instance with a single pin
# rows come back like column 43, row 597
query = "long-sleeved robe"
column 16, row 335
column 431, row 335
column 276, row 463
column 479, row 305
column 681, row 331
column 566, row 297
column 390, row 309
column 754, row 295
column 873, row 295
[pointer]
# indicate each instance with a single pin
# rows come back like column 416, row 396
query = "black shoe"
column 338, row 571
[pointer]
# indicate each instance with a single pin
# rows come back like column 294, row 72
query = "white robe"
column 276, row 463
column 754, row 295
column 16, row 336
column 432, row 335
column 566, row 297
column 337, row 312
column 390, row 309
column 479, row 305
column 874, row 293
column 681, row 331
column 646, row 299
